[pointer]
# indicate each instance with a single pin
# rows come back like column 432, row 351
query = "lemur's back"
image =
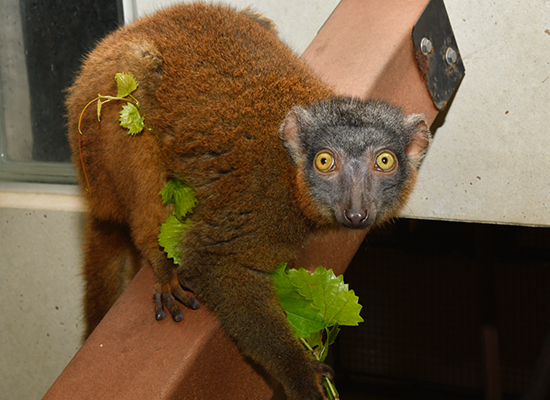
column 209, row 77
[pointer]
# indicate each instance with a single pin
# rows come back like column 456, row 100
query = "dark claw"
column 160, row 314
column 193, row 304
column 177, row 316
column 187, row 300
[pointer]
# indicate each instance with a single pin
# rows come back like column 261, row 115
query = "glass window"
column 42, row 43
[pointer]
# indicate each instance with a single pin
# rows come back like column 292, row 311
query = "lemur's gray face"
column 358, row 158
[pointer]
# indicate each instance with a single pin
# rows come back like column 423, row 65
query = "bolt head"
column 426, row 46
column 451, row 56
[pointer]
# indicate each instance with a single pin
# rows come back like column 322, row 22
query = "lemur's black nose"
column 356, row 219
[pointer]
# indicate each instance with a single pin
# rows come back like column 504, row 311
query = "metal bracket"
column 436, row 53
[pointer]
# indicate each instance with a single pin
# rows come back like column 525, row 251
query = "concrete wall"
column 489, row 162
column 40, row 309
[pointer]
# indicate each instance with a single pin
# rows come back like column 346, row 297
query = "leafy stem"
column 316, row 304
column 131, row 115
column 310, row 349
column 331, row 389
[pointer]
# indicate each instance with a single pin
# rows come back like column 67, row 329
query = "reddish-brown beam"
column 365, row 50
column 132, row 356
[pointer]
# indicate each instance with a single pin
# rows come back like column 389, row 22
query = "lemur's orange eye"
column 324, row 161
column 386, row 161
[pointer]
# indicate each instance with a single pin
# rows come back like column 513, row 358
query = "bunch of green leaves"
column 316, row 304
column 182, row 196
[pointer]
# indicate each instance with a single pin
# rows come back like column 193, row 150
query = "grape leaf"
column 330, row 295
column 304, row 319
column 126, row 84
column 181, row 194
column 131, row 119
column 171, row 235
column 315, row 304
column 172, row 231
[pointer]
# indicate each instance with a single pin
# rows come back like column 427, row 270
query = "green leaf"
column 181, row 194
column 172, row 231
column 126, row 84
column 321, row 292
column 167, row 192
column 302, row 316
column 171, row 236
column 131, row 119
column 330, row 295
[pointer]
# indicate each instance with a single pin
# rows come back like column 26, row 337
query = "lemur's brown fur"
column 215, row 86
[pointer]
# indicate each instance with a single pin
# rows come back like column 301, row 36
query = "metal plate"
column 436, row 53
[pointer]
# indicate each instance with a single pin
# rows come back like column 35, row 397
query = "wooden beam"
column 132, row 356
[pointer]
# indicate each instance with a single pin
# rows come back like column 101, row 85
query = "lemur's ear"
column 291, row 132
column 419, row 133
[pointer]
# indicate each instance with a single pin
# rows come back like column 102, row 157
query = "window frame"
column 43, row 171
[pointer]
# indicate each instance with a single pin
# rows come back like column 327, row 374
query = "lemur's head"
column 358, row 159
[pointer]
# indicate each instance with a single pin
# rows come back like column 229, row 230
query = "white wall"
column 297, row 21
column 40, row 307
column 490, row 161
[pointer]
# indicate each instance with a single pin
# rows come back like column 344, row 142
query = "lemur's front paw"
column 322, row 371
column 167, row 294
column 310, row 386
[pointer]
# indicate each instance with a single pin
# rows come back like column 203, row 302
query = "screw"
column 451, row 56
column 426, row 46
